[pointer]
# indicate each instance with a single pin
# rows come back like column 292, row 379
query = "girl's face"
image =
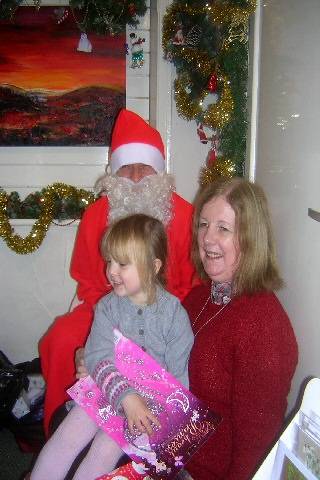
column 125, row 281
column 217, row 240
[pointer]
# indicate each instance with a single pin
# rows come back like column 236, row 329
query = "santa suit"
column 68, row 332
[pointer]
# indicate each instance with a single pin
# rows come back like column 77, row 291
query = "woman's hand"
column 81, row 370
column 138, row 414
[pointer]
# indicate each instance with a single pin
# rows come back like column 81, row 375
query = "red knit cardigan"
column 241, row 366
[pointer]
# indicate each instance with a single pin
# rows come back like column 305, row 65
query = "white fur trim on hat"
column 130, row 153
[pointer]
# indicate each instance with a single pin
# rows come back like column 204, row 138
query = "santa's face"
column 135, row 172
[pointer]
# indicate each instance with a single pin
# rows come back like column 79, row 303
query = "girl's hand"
column 138, row 414
column 81, row 370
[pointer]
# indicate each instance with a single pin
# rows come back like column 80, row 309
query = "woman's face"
column 217, row 240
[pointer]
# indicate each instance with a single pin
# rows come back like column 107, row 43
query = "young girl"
column 135, row 250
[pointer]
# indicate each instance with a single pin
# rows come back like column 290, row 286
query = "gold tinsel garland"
column 32, row 242
column 222, row 167
column 226, row 13
column 216, row 115
column 197, row 60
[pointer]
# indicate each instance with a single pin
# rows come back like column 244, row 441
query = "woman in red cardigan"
column 245, row 352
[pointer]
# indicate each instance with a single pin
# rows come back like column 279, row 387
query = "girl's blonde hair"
column 257, row 269
column 138, row 239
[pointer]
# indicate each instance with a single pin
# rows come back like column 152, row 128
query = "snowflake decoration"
column 160, row 466
column 195, row 416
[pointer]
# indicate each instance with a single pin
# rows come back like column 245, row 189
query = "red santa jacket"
column 88, row 267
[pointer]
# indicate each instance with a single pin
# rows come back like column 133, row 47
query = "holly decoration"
column 213, row 61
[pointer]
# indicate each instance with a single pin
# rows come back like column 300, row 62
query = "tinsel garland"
column 224, row 13
column 222, row 167
column 47, row 199
column 214, row 46
column 215, row 115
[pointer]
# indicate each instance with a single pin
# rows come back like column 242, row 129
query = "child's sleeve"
column 99, row 358
column 179, row 342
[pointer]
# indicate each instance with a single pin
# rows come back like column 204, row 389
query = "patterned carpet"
column 13, row 463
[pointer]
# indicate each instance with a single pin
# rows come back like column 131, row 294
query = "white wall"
column 35, row 288
column 188, row 155
column 288, row 163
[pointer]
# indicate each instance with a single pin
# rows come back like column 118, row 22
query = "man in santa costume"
column 137, row 183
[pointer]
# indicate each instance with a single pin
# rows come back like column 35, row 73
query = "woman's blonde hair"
column 138, row 239
column 257, row 269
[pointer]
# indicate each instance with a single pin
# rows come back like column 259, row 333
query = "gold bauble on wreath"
column 217, row 115
column 32, row 242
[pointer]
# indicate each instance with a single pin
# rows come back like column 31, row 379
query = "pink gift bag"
column 186, row 423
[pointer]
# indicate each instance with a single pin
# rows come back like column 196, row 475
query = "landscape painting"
column 58, row 87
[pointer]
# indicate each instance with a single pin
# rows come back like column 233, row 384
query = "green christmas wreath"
column 207, row 42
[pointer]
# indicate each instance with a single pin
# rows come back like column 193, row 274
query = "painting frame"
column 79, row 115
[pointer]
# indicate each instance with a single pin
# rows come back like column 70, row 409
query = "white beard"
column 151, row 196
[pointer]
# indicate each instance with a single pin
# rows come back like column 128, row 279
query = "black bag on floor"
column 12, row 381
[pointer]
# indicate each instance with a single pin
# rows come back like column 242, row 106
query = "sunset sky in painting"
column 38, row 54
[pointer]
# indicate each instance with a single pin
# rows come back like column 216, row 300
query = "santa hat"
column 135, row 141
